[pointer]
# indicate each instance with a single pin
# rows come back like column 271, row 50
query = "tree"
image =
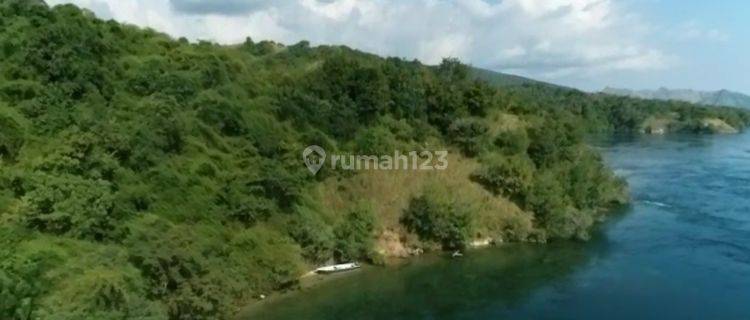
column 452, row 70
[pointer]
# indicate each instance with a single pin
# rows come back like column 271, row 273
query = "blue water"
column 680, row 251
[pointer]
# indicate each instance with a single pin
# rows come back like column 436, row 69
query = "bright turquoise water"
column 680, row 251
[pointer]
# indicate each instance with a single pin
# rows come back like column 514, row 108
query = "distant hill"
column 714, row 98
column 504, row 79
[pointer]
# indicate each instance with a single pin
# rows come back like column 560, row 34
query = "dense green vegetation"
column 152, row 178
column 608, row 113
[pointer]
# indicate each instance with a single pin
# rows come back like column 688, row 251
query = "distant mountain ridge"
column 505, row 79
column 714, row 98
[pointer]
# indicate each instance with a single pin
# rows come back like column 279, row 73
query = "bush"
column 376, row 140
column 11, row 137
column 162, row 131
column 470, row 135
column 71, row 205
column 19, row 90
column 547, row 200
column 479, row 98
column 176, row 263
column 553, row 142
column 512, row 142
column 103, row 293
column 314, row 235
column 268, row 135
column 546, row 196
column 508, row 176
column 154, row 75
column 243, row 206
column 21, row 283
column 24, row 272
column 354, row 235
column 277, row 183
column 268, row 260
column 569, row 223
column 362, row 89
column 77, row 153
column 437, row 216
column 220, row 113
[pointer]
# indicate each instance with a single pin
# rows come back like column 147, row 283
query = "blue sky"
column 588, row 44
column 712, row 52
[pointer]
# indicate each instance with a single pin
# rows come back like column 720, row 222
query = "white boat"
column 338, row 268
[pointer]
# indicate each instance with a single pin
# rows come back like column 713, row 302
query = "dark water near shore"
column 680, row 251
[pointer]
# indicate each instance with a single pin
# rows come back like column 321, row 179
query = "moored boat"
column 338, row 268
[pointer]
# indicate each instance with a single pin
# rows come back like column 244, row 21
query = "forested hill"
column 504, row 79
column 145, row 177
column 713, row 98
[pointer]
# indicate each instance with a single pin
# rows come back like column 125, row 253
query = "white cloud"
column 691, row 31
column 541, row 38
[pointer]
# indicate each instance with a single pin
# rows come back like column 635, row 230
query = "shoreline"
column 311, row 279
column 307, row 281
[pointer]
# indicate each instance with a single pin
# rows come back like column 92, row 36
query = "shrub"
column 268, row 135
column 552, row 208
column 21, row 282
column 437, row 216
column 354, row 235
column 24, row 266
column 175, row 261
column 470, row 135
column 508, row 176
column 569, row 223
column 376, row 140
column 19, row 90
column 553, row 142
column 70, row 205
column 313, row 234
column 11, row 137
column 243, row 206
column 220, row 113
column 479, row 97
column 267, row 259
column 512, row 142
column 162, row 130
column 276, row 182
column 77, row 153
column 103, row 293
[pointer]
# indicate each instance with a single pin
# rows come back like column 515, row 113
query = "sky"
column 587, row 44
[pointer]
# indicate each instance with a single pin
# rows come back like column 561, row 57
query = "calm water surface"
column 680, row 251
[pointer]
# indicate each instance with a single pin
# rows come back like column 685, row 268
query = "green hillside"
column 503, row 79
column 145, row 177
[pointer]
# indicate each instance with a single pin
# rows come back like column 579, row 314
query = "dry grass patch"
column 499, row 121
column 390, row 192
